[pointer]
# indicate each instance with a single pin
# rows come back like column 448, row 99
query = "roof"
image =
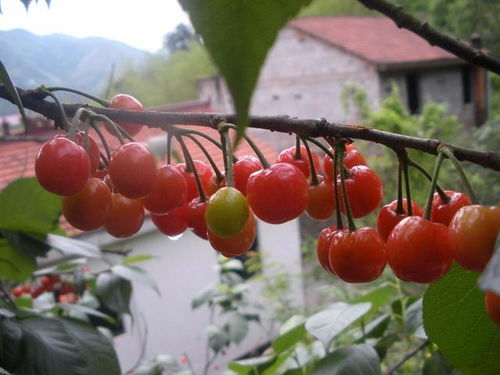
column 375, row 39
column 17, row 157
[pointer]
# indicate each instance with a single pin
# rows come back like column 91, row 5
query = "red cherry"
column 323, row 247
column 204, row 172
column 68, row 298
column 62, row 167
column 37, row 291
column 242, row 170
column 196, row 217
column 321, row 203
column 125, row 216
column 17, row 291
column 419, row 250
column 67, row 288
column 238, row 244
column 92, row 150
column 172, row 223
column 132, row 170
column 359, row 256
column 169, row 191
column 123, row 101
column 388, row 217
column 352, row 158
column 87, row 209
column 278, row 194
column 492, row 302
column 215, row 185
column 288, row 156
column 444, row 212
column 364, row 191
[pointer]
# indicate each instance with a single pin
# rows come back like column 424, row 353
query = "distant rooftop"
column 375, row 39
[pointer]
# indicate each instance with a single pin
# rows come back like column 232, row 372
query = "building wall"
column 182, row 268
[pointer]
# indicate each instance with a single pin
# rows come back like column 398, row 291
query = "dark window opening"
column 467, row 84
column 412, row 91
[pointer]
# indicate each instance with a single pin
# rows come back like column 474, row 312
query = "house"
column 181, row 267
column 315, row 58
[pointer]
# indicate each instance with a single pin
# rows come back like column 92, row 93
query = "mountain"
column 61, row 60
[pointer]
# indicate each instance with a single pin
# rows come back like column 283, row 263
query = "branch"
column 433, row 36
column 407, row 357
column 283, row 124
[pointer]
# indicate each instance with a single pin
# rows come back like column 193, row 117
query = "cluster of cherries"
column 64, row 290
column 222, row 208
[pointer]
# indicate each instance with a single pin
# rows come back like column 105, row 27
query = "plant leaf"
column 136, row 274
column 377, row 297
column 246, row 366
column 13, row 264
column 455, row 319
column 216, row 337
column 437, row 365
column 359, row 359
column 413, row 317
column 11, row 88
column 11, row 336
column 70, row 246
column 237, row 327
column 328, row 323
column 296, row 330
column 203, row 296
column 37, row 212
column 114, row 291
column 238, row 35
column 136, row 259
column 490, row 278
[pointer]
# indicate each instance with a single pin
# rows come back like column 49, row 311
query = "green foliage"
column 455, row 319
column 336, row 8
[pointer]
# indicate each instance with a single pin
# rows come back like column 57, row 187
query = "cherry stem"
column 435, row 174
column 227, row 151
column 102, row 102
column 409, row 206
column 403, row 168
column 101, row 137
column 206, row 136
column 111, row 124
column 67, row 125
column 444, row 198
column 218, row 173
column 169, row 147
column 297, row 154
column 341, row 150
column 468, row 188
column 190, row 163
column 399, row 208
column 314, row 176
column 255, row 148
column 340, row 224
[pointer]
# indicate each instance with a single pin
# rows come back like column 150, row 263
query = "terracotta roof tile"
column 376, row 39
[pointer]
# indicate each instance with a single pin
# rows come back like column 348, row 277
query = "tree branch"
column 407, row 357
column 284, row 124
column 433, row 36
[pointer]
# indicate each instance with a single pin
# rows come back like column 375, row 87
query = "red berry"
column 352, row 158
column 17, row 291
column 196, row 218
column 123, row 101
column 302, row 163
column 172, row 223
column 321, row 203
column 92, row 150
column 236, row 245
column 323, row 247
column 169, row 191
column 444, row 212
column 125, row 216
column 205, row 174
column 242, row 170
column 492, row 302
column 388, row 217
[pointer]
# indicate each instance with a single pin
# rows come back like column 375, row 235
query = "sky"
column 139, row 23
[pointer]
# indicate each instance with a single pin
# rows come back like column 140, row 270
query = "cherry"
column 357, row 257
column 87, row 209
column 132, row 170
column 388, row 217
column 169, row 191
column 196, row 217
column 227, row 212
column 302, row 163
column 205, row 174
column 419, row 250
column 443, row 212
column 364, row 191
column 278, row 194
column 125, row 216
column 323, row 247
column 352, row 158
column 321, row 203
column 92, row 150
column 238, row 244
column 62, row 167
column 124, row 101
column 492, row 303
column 242, row 170
column 172, row 223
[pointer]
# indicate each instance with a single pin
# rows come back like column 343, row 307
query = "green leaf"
column 413, row 320
column 239, row 34
column 237, row 327
column 11, row 336
column 26, row 207
column 203, row 296
column 295, row 331
column 31, row 245
column 246, row 366
column 375, row 328
column 114, row 291
column 64, row 346
column 11, row 88
column 378, row 297
column 352, row 360
column 136, row 274
column 136, row 259
column 85, row 310
column 13, row 264
column 70, row 246
column 490, row 278
column 328, row 323
column 437, row 365
column 455, row 319
column 216, row 337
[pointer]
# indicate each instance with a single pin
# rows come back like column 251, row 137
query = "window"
column 466, row 84
column 412, row 92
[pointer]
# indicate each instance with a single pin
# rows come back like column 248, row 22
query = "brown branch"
column 434, row 36
column 407, row 356
column 284, row 124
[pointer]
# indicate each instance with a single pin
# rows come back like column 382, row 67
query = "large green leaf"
column 252, row 365
column 26, row 207
column 9, row 85
column 114, row 291
column 136, row 274
column 237, row 327
column 64, row 346
column 328, row 323
column 288, row 338
column 10, row 344
column 455, row 319
column 216, row 337
column 14, row 265
column 71, row 246
column 239, row 34
column 352, row 360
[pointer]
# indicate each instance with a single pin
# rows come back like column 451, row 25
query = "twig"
column 434, row 36
column 407, row 357
column 285, row 124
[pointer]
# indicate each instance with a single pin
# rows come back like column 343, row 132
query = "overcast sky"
column 140, row 23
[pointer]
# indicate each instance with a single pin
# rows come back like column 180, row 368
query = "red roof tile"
column 376, row 39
